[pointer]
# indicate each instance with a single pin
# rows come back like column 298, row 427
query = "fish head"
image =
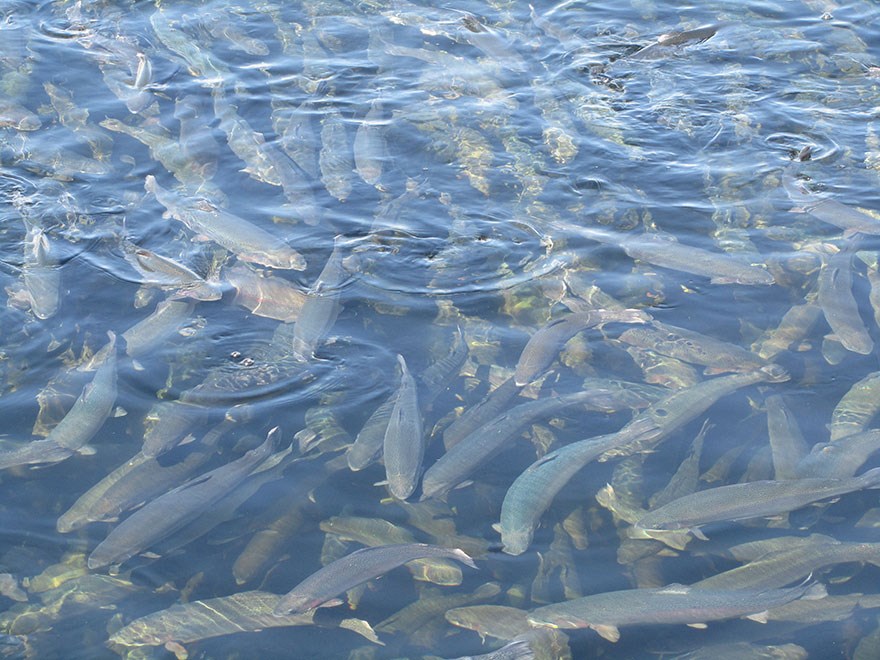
column 515, row 542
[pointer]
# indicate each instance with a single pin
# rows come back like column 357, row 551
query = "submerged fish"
column 322, row 587
column 244, row 239
column 176, row 508
column 404, row 442
column 664, row 252
column 746, row 500
column 675, row 603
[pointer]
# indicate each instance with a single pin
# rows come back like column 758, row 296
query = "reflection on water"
column 542, row 286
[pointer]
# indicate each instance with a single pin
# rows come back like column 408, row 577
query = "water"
column 452, row 154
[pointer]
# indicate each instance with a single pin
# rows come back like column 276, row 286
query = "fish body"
column 719, row 268
column 753, row 499
column 320, row 307
column 546, row 343
column 531, row 494
column 404, row 442
column 40, row 273
column 837, row 301
column 694, row 347
column 356, row 568
column 841, row 458
column 674, row 603
column 243, row 238
column 176, row 508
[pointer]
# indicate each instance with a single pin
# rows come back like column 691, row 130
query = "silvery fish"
column 753, row 499
column 322, row 587
column 320, row 307
column 40, row 273
column 694, row 347
column 674, row 603
column 719, row 268
column 404, row 441
column 177, row 508
column 79, row 425
column 244, row 239
column 546, row 343
column 835, row 297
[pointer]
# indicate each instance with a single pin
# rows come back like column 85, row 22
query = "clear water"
column 493, row 157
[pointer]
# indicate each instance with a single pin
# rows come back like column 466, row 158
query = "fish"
column 264, row 294
column 88, row 414
column 826, row 209
column 457, row 464
column 857, row 408
column 792, row 328
column 370, row 148
column 15, row 115
column 680, row 407
column 774, row 570
column 694, row 347
column 664, row 43
column 404, row 442
column 545, row 344
column 376, row 532
column 322, row 587
column 532, row 492
column 840, row 458
column 335, row 159
column 481, row 413
column 666, row 253
column 177, row 508
column 241, row 237
column 321, row 306
column 247, row 611
column 367, row 446
column 839, row 305
column 41, row 273
column 742, row 501
column 423, row 622
column 167, row 274
column 674, row 603
column 786, row 440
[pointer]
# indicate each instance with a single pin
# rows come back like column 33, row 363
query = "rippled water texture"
column 440, row 248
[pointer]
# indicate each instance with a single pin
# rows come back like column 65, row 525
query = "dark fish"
column 786, row 440
column 661, row 47
column 477, row 415
column 367, row 446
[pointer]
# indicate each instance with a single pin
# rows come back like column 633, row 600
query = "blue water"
column 489, row 155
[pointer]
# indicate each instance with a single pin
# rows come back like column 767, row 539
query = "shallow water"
column 452, row 154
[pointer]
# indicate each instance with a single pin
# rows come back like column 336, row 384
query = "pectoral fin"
column 609, row 632
column 760, row 617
